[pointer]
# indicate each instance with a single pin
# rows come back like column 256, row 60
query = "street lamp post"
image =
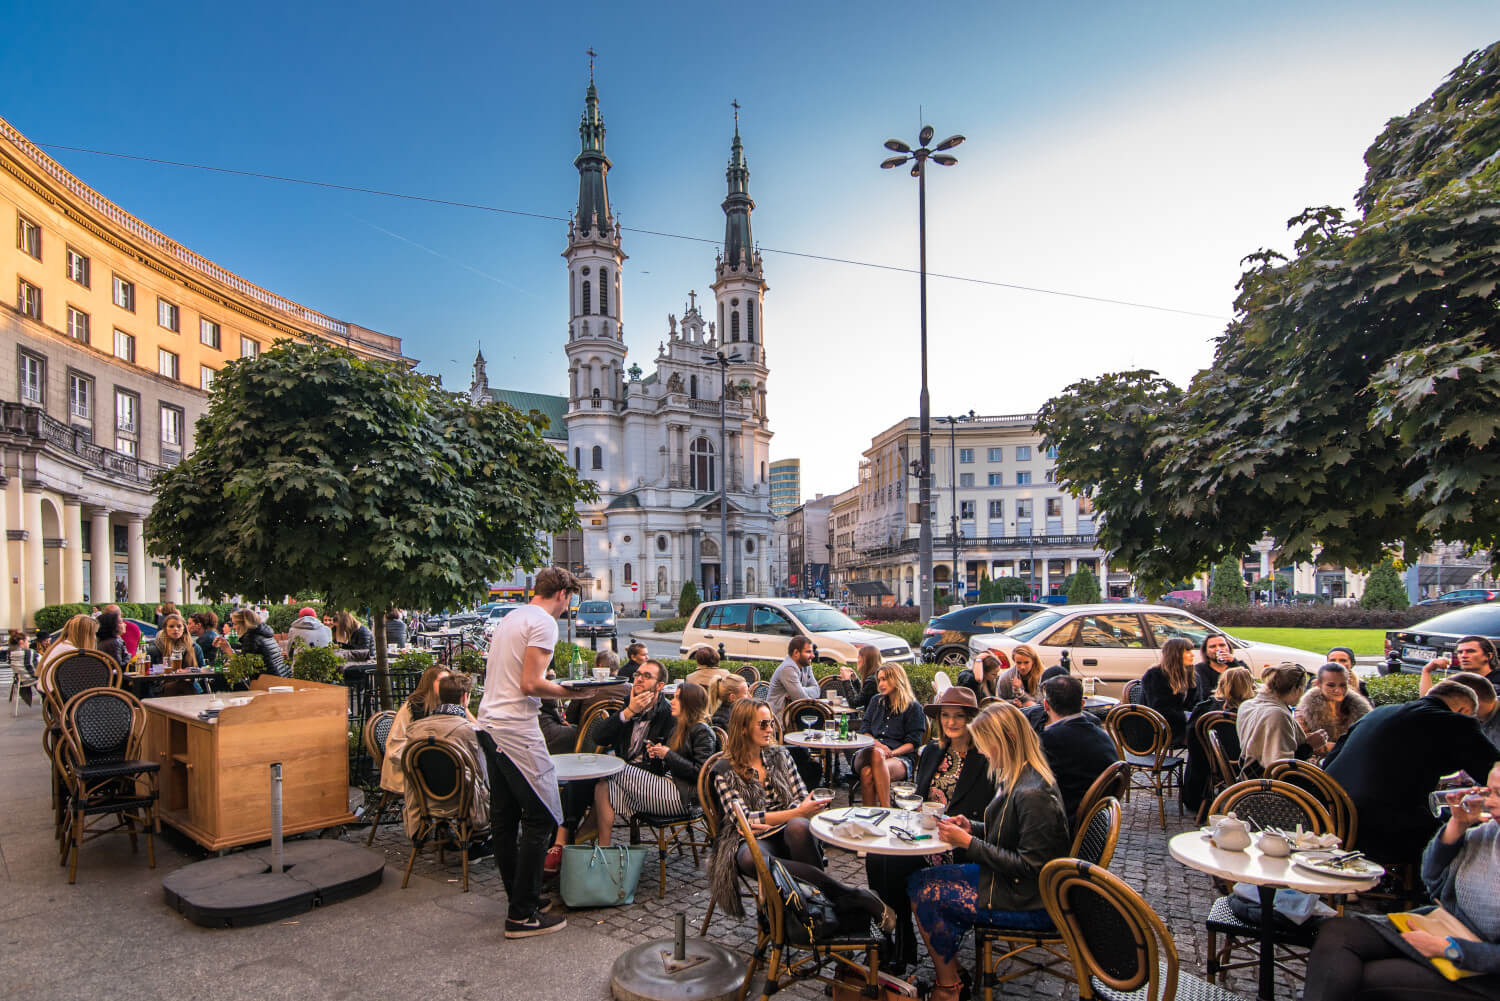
column 918, row 158
column 953, row 423
column 723, row 362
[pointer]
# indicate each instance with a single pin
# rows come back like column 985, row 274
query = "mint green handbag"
column 600, row 877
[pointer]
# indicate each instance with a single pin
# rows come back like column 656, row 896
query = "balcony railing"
column 31, row 422
column 970, row 543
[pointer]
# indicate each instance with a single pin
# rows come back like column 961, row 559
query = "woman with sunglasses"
column 1024, row 828
column 758, row 775
column 1268, row 728
column 950, row 771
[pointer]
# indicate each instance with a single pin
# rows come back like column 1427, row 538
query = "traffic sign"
column 634, row 586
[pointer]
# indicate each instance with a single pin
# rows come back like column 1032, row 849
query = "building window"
column 28, row 236
column 578, row 458
column 1051, row 451
column 596, row 457
column 28, row 299
column 80, row 397
column 692, row 387
column 996, row 479
column 124, row 294
column 588, row 297
column 1023, row 479
column 966, row 479
column 125, row 446
column 996, row 510
column 750, row 320
column 1054, row 507
column 1085, row 507
column 249, row 347
column 603, row 291
column 171, row 427
column 206, row 378
column 168, row 315
column 701, row 464
column 1023, row 453
column 126, row 405
column 966, row 455
column 966, row 510
column 627, row 573
column 1023, row 509
column 166, row 363
column 124, row 346
column 208, row 333
column 734, row 325
column 78, row 267
column 1050, row 476
column 33, row 378
column 996, row 455
column 78, row 324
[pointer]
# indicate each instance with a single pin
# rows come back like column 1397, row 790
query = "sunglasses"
column 765, row 724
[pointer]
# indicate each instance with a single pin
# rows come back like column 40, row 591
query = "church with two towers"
column 653, row 442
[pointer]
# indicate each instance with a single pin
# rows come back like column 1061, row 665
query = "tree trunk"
column 382, row 664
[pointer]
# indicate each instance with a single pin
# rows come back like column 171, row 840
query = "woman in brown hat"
column 951, row 771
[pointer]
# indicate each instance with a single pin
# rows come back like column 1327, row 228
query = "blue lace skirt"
column 946, row 899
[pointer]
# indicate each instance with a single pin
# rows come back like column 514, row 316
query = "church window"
column 734, row 325
column 692, row 387
column 603, row 291
column 588, row 288
column 750, row 320
column 627, row 573
column 661, row 543
column 701, row 464
column 577, row 458
column 721, row 316
column 598, row 456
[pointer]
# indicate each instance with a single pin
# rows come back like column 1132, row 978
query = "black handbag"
column 810, row 916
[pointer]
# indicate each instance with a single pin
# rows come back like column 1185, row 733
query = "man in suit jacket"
column 646, row 718
column 1393, row 757
column 1077, row 747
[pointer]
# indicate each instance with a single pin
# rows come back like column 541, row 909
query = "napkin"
column 1294, row 905
column 855, row 828
column 1308, row 841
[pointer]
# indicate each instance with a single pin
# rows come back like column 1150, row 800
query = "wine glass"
column 904, row 795
column 823, row 796
column 809, row 721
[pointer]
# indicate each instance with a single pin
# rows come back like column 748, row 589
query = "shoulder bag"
column 593, row 876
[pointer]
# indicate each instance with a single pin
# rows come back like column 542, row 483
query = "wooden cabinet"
column 215, row 777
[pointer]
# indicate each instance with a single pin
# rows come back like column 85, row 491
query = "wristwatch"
column 1451, row 952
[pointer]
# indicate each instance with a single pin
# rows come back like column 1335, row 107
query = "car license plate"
column 1419, row 652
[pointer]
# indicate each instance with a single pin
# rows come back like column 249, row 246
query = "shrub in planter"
column 318, row 663
column 672, row 625
column 1388, row 689
column 51, row 618
column 909, row 631
column 469, row 662
column 688, row 600
column 413, row 660
column 241, row 667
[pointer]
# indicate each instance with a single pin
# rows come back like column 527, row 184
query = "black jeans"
column 523, row 830
column 1353, row 961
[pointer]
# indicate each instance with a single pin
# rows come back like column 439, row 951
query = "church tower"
column 740, row 286
column 596, row 344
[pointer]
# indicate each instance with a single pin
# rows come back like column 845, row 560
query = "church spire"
column 593, row 166
column 739, row 248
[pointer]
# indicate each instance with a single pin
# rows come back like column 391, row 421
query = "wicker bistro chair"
column 100, row 752
column 1144, row 739
column 1094, row 843
column 775, row 947
column 1120, row 949
column 22, row 685
column 377, row 729
column 831, row 685
column 760, row 690
column 1325, row 789
column 791, row 718
column 60, row 680
column 441, row 779
column 1216, row 734
column 1131, row 693
column 1263, row 803
column 596, row 712
column 708, row 802
column 1113, row 781
column 750, row 673
column 674, row 830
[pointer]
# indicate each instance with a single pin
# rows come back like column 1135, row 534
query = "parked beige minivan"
column 760, row 628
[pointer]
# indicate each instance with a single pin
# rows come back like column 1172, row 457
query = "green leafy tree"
column 688, row 599
column 1083, row 589
column 985, row 587
column 316, row 469
column 1010, row 589
column 1354, row 400
column 1228, row 586
column 1383, row 588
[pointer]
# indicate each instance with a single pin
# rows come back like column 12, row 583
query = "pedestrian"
column 526, row 806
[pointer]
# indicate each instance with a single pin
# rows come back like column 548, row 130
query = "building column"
column 34, row 581
column 695, row 559
column 735, row 562
column 72, row 556
column 5, row 571
column 174, row 584
column 135, row 584
column 102, row 557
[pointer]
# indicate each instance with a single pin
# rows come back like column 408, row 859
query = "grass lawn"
column 1364, row 642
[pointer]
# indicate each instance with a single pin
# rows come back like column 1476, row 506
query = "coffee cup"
column 930, row 814
column 601, row 674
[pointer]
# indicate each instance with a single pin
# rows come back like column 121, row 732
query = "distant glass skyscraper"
column 786, row 485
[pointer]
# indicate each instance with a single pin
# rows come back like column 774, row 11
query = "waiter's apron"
column 521, row 741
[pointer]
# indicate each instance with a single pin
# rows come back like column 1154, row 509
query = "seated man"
column 204, row 628
column 1488, row 714
column 451, row 722
column 308, row 631
column 1472, row 654
column 708, row 670
column 643, row 721
column 1077, row 747
column 1394, row 756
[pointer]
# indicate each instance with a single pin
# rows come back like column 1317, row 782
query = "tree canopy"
column 1354, row 400
column 316, row 469
column 1228, row 586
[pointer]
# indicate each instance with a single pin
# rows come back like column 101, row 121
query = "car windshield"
column 596, row 608
column 821, row 618
column 1029, row 627
column 1482, row 620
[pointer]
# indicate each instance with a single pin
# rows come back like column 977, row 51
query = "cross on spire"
column 592, row 56
column 735, row 104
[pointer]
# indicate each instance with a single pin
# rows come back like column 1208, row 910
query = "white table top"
column 815, row 740
column 578, row 767
column 841, row 710
column 885, row 844
column 1194, row 850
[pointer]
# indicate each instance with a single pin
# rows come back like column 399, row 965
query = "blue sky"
column 1122, row 151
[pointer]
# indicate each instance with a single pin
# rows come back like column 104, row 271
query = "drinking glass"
column 830, row 729
column 822, row 795
column 1459, row 783
column 809, row 721
column 176, row 660
column 904, row 795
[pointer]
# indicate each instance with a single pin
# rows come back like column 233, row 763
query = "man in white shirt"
column 525, row 806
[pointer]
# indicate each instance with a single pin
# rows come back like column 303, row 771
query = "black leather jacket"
column 1024, row 828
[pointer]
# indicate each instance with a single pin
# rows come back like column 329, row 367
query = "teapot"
column 1230, row 833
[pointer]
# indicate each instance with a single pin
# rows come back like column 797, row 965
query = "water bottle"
column 843, row 726
column 575, row 670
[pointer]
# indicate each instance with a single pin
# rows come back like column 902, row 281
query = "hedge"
column 1313, row 616
column 889, row 613
column 1387, row 689
column 673, row 625
column 50, row 618
column 909, row 631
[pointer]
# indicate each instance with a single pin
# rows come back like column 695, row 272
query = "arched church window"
column 734, row 325
column 603, row 291
column 628, row 577
column 750, row 320
column 598, row 456
column 578, row 458
column 701, row 464
column 588, row 288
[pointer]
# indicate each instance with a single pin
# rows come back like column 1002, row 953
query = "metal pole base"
column 706, row 972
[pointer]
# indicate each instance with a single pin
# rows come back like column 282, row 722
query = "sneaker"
column 553, row 865
column 537, row 924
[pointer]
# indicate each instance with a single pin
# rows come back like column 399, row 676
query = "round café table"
column 885, row 843
column 815, row 740
column 1268, row 874
column 581, row 767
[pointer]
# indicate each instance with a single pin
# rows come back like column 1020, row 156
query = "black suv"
column 1415, row 645
column 946, row 638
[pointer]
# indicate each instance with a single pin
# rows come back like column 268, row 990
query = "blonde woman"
column 995, row 882
column 255, row 638
column 350, row 634
column 895, row 719
column 726, row 692
column 1022, row 684
column 78, row 633
column 171, row 639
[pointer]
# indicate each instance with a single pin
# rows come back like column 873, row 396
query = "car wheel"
column 954, row 656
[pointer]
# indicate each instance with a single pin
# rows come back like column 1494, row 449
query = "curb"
column 648, row 635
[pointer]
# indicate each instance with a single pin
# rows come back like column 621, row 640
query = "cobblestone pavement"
column 1180, row 895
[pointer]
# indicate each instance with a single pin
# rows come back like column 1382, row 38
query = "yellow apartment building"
column 108, row 347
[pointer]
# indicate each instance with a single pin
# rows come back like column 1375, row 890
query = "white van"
column 760, row 628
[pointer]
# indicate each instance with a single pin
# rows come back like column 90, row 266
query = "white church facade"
column 653, row 443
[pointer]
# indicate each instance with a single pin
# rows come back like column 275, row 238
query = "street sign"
column 634, row 586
